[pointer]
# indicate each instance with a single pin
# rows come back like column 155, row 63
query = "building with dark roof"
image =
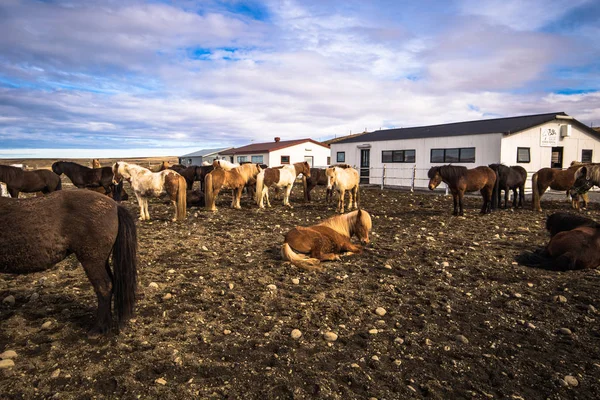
column 532, row 141
column 201, row 156
column 279, row 152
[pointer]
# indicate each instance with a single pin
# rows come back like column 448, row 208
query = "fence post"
column 414, row 177
column 383, row 177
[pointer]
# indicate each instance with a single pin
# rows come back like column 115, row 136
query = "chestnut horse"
column 342, row 178
column 460, row 180
column 324, row 241
column 40, row 180
column 45, row 230
column 281, row 177
column 234, row 179
column 318, row 176
column 146, row 183
column 555, row 179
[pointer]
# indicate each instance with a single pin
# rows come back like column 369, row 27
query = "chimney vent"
column 277, row 139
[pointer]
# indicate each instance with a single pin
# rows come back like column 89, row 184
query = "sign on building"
column 549, row 137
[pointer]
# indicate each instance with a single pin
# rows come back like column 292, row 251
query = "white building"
column 532, row 141
column 198, row 157
column 280, row 152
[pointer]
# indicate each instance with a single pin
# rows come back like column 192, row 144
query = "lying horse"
column 324, row 241
column 575, row 244
column 283, row 177
column 318, row 176
column 17, row 180
column 235, row 179
column 342, row 178
column 84, row 177
column 45, row 230
column 508, row 178
column 555, row 179
column 146, row 183
column 460, row 180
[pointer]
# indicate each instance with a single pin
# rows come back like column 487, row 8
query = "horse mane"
column 345, row 224
column 8, row 173
column 592, row 172
column 451, row 173
column 248, row 170
column 343, row 166
column 563, row 221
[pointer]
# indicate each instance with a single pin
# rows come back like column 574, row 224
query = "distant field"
column 40, row 163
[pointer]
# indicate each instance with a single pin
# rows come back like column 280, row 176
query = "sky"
column 133, row 78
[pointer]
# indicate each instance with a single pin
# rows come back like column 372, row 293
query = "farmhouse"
column 395, row 156
column 198, row 157
column 280, row 152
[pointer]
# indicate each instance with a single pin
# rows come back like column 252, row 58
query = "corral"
column 458, row 319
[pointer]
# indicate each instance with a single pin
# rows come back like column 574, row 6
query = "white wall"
column 297, row 153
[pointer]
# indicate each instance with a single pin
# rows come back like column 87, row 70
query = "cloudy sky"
column 115, row 78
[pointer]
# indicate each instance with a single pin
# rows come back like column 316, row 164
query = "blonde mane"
column 346, row 224
column 226, row 165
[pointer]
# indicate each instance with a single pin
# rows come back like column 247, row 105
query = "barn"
column 198, row 157
column 280, row 152
column 402, row 157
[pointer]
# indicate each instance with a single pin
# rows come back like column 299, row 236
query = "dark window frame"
column 284, row 162
column 398, row 156
column 461, row 159
column 591, row 152
column 343, row 158
column 528, row 155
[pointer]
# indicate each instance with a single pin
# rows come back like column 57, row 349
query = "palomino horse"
column 342, row 178
column 508, row 178
column 324, row 241
column 96, row 163
column 224, row 164
column 555, row 179
column 17, row 180
column 283, row 177
column 146, row 183
column 45, row 230
column 460, row 180
column 234, row 179
column 575, row 244
column 318, row 176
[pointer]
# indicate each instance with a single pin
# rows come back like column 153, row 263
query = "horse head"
column 117, row 170
column 57, row 168
column 96, row 163
column 434, row 177
column 363, row 226
column 331, row 177
column 306, row 169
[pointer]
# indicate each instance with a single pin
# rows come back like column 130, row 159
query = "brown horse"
column 123, row 196
column 324, row 241
column 555, row 179
column 318, row 176
column 234, row 179
column 280, row 177
column 18, row 180
column 460, row 180
column 45, row 230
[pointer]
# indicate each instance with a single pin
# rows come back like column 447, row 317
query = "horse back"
column 272, row 176
column 303, row 239
column 478, row 178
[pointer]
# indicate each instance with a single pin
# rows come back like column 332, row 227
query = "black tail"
column 124, row 258
column 496, row 191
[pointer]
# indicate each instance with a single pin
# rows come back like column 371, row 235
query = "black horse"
column 193, row 173
column 39, row 180
column 45, row 230
column 88, row 178
column 317, row 177
column 508, row 178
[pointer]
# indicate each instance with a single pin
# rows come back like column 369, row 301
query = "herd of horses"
column 88, row 223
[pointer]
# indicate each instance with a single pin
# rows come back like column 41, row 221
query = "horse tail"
column 208, row 191
column 124, row 259
column 305, row 184
column 496, row 190
column 535, row 195
column 181, row 199
column 117, row 189
column 306, row 263
column 260, row 181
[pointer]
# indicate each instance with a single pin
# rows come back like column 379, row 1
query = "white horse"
column 146, row 183
column 280, row 177
column 344, row 178
column 224, row 164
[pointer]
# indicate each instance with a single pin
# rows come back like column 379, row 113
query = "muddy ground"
column 223, row 333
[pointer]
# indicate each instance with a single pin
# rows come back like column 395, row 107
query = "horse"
column 460, row 180
column 283, row 177
column 226, row 165
column 45, row 230
column 575, row 244
column 343, row 179
column 146, row 183
column 118, row 197
column 40, row 180
column 317, row 176
column 508, row 178
column 555, row 179
column 324, row 241
column 96, row 163
column 234, row 179
column 84, row 177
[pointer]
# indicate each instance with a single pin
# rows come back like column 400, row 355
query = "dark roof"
column 339, row 139
column 267, row 147
column 205, row 152
column 484, row 126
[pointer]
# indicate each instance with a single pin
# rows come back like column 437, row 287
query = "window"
column 586, row 155
column 241, row 159
column 257, row 159
column 461, row 155
column 328, row 160
column 398, row 156
column 309, row 160
column 341, row 156
column 523, row 155
column 285, row 160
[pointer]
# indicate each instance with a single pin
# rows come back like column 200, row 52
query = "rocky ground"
column 436, row 307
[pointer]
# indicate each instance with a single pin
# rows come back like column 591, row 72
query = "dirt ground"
column 463, row 320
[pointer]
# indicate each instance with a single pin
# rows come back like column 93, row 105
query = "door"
column 365, row 157
column 557, row 157
column 309, row 160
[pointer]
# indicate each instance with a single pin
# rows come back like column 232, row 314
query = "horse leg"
column 98, row 272
column 455, row 201
column 341, row 201
column 514, row 197
column 506, row 192
column 460, row 202
column 355, row 192
column 146, row 208
column 14, row 193
column 286, row 196
column 237, row 197
column 266, row 192
column 141, row 205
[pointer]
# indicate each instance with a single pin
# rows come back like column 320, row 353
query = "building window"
column 523, row 155
column 398, row 156
column 461, row 155
column 285, row 160
column 586, row 155
column 257, row 159
column 241, row 159
column 341, row 156
column 328, row 160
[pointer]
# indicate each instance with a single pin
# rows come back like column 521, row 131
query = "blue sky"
column 133, row 78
